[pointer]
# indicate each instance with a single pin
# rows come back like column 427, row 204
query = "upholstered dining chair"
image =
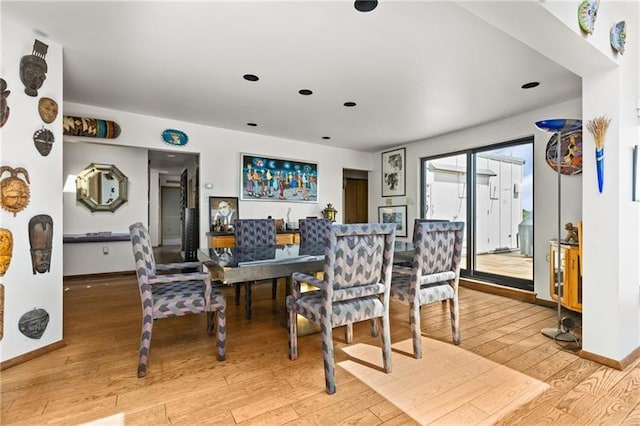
column 434, row 274
column 254, row 233
column 314, row 230
column 355, row 287
column 171, row 295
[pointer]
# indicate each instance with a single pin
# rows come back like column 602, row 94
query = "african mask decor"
column 40, row 239
column 13, row 190
column 48, row 109
column 4, row 106
column 6, row 250
column 34, row 323
column 33, row 68
column 43, row 139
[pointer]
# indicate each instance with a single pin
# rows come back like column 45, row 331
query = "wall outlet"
column 105, row 250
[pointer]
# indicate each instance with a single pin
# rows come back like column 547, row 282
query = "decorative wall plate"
column 90, row 127
column 34, row 323
column 175, row 137
column 4, row 106
column 618, row 36
column 570, row 152
column 587, row 14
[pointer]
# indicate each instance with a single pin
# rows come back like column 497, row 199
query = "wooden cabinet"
column 567, row 259
column 221, row 240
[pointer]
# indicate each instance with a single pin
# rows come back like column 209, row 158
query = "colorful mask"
column 4, row 106
column 40, row 238
column 13, row 190
column 33, row 68
column 6, row 250
column 48, row 109
column 43, row 139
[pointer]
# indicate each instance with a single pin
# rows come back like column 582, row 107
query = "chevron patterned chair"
column 171, row 295
column 254, row 233
column 357, row 277
column 314, row 230
column 433, row 276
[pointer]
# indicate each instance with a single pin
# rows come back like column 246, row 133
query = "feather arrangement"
column 598, row 128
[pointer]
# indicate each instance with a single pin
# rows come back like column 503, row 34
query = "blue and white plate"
column 175, row 137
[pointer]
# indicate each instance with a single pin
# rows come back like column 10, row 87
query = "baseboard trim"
column 70, row 278
column 514, row 293
column 31, row 355
column 613, row 363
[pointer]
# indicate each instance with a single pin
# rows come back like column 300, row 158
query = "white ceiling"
column 415, row 69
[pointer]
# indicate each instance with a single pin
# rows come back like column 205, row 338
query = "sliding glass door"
column 490, row 189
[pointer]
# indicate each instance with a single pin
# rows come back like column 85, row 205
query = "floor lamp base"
column 560, row 335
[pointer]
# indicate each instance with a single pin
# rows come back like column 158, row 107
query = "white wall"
column 25, row 291
column 88, row 258
column 219, row 151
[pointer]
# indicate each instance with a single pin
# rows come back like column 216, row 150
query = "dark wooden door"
column 356, row 201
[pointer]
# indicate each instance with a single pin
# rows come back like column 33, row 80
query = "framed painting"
column 278, row 179
column 222, row 212
column 394, row 214
column 393, row 173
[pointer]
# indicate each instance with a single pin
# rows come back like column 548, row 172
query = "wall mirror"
column 101, row 187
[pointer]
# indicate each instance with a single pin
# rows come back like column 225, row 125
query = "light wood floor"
column 94, row 376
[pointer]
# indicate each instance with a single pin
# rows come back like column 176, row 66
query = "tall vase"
column 600, row 168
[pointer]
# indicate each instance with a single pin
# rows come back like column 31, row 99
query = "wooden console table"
column 569, row 261
column 228, row 239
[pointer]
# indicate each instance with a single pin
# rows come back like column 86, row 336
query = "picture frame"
column 265, row 178
column 636, row 174
column 222, row 212
column 394, row 173
column 394, row 214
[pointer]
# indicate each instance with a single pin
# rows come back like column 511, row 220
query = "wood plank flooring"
column 94, row 376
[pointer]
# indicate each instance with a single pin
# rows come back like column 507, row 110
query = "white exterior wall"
column 25, row 291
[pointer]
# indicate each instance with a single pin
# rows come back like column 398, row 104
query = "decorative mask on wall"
column 6, row 250
column 48, row 109
column 4, row 106
column 40, row 239
column 43, row 139
column 1, row 311
column 34, row 323
column 33, row 68
column 90, row 127
column 13, row 190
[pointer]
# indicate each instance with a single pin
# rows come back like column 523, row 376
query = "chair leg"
column 327, row 354
column 386, row 342
column 414, row 313
column 222, row 331
column 374, row 327
column 210, row 323
column 455, row 319
column 274, row 288
column 247, row 305
column 348, row 333
column 293, row 332
column 145, row 344
column 238, row 285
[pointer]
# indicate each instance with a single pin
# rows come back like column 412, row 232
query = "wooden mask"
column 48, row 110
column 14, row 192
column 33, row 68
column 41, row 238
column 6, row 250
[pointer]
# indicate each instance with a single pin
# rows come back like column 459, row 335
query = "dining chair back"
column 433, row 276
column 314, row 230
column 355, row 287
column 254, row 233
column 176, row 294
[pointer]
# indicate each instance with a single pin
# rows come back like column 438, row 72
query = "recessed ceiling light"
column 365, row 5
column 305, row 92
column 349, row 104
column 326, row 137
column 251, row 77
column 530, row 85
column 252, row 124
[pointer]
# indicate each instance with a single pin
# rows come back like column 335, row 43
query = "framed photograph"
column 278, row 179
column 394, row 173
column 222, row 212
column 394, row 214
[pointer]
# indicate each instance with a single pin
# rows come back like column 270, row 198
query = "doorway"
column 355, row 196
column 170, row 216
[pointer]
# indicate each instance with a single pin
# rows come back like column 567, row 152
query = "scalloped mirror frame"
column 82, row 187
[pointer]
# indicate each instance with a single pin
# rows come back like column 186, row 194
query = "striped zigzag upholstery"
column 314, row 230
column 434, row 274
column 357, row 275
column 254, row 233
column 171, row 295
